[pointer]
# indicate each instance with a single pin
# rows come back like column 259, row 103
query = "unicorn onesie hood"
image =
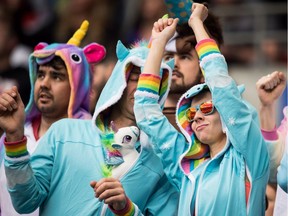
column 117, row 82
column 197, row 152
column 78, row 63
column 114, row 88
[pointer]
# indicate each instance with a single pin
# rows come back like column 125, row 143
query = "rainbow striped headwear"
column 77, row 61
column 117, row 83
column 197, row 152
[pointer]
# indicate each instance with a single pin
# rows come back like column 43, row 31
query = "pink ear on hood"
column 40, row 46
column 94, row 52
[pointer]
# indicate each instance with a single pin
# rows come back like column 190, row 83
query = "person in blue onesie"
column 219, row 163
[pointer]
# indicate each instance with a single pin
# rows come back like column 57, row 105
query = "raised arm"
column 269, row 89
column 239, row 118
column 199, row 14
column 147, row 108
column 12, row 115
column 162, row 31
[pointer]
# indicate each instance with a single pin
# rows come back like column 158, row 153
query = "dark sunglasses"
column 205, row 108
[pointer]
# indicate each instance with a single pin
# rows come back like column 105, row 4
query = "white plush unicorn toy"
column 125, row 139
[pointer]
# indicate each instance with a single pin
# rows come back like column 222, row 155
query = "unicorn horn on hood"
column 79, row 34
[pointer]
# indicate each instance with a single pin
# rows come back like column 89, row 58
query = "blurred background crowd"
column 255, row 34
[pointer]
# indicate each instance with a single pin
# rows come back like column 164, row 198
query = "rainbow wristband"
column 128, row 210
column 149, row 83
column 206, row 47
column 16, row 149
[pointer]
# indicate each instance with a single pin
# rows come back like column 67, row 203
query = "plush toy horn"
column 113, row 126
column 79, row 34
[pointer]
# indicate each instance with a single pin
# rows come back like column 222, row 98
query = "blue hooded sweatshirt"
column 209, row 186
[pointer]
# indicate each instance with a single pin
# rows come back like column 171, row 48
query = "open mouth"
column 44, row 97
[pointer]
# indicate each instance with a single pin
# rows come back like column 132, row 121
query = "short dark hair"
column 211, row 23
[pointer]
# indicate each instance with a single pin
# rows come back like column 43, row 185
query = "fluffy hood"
column 77, row 61
column 117, row 82
column 113, row 91
column 197, row 152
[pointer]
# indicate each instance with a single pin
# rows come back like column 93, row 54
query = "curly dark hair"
column 212, row 25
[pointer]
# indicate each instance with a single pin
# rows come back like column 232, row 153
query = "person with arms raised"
column 220, row 163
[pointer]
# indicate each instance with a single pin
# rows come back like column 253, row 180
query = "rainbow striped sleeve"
column 149, row 83
column 16, row 149
column 127, row 211
column 206, row 47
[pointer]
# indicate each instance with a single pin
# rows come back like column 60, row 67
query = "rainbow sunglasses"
column 206, row 108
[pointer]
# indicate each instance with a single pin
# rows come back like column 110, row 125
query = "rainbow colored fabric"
column 206, row 47
column 149, row 83
column 164, row 85
column 16, row 149
column 129, row 209
column 112, row 156
column 198, row 152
